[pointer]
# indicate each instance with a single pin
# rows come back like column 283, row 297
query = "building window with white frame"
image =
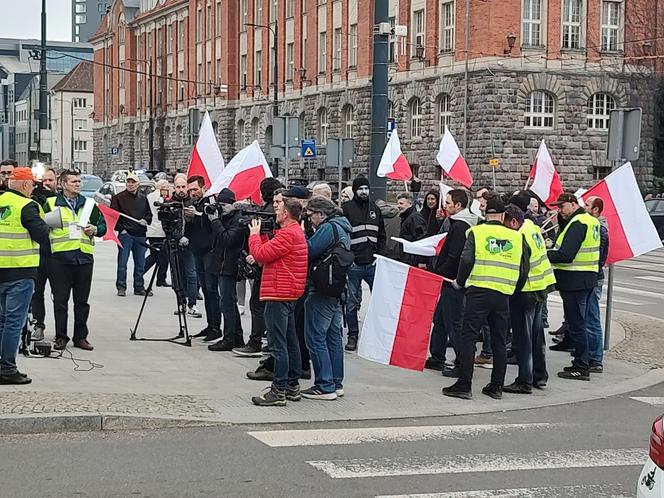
column 444, row 113
column 258, row 68
column 336, row 61
column 217, row 19
column 532, row 23
column 244, row 14
column 200, row 83
column 290, row 8
column 290, row 61
column 322, row 52
column 322, row 126
column 415, row 109
column 258, row 11
column 181, row 36
column 540, row 110
column 199, row 25
column 352, row 45
column 121, row 76
column 600, row 106
column 447, row 20
column 80, row 124
column 304, row 41
column 169, row 39
column 611, row 25
column 243, row 72
column 418, row 32
column 80, row 145
column 572, row 23
column 349, row 121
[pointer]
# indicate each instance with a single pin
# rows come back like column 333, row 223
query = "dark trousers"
column 528, row 343
column 209, row 282
column 159, row 256
column 299, row 329
column 284, row 346
column 484, row 307
column 38, row 306
column 576, row 305
column 66, row 280
column 448, row 320
column 232, row 322
column 257, row 308
column 188, row 278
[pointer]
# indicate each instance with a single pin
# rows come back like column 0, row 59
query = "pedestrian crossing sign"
column 308, row 149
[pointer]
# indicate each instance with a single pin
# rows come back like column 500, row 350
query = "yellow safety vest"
column 587, row 258
column 60, row 237
column 498, row 252
column 540, row 275
column 17, row 249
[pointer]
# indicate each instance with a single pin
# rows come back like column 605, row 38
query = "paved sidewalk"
column 156, row 384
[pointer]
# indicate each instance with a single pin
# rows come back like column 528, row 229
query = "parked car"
column 109, row 189
column 650, row 481
column 655, row 208
column 121, row 175
column 90, row 184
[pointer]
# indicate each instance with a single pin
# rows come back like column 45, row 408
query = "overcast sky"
column 23, row 19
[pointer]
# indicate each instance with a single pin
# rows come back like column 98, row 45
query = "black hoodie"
column 429, row 215
column 368, row 235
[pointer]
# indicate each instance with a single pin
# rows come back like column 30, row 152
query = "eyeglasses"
column 5, row 173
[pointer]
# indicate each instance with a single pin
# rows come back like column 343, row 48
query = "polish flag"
column 631, row 231
column 244, row 174
column 394, row 164
column 111, row 217
column 431, row 246
column 450, row 159
column 206, row 159
column 397, row 327
column 546, row 182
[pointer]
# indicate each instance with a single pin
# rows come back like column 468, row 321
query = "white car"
column 109, row 189
column 651, row 483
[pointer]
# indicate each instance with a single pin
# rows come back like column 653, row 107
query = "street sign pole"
column 379, row 86
column 340, row 168
column 286, row 159
column 609, row 310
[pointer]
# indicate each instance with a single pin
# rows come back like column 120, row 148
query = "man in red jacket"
column 284, row 260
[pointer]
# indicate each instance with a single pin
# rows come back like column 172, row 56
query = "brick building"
column 534, row 69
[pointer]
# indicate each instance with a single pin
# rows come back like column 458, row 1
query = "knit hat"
column 226, row 196
column 360, row 181
column 521, row 200
column 320, row 204
column 267, row 188
column 297, row 191
column 22, row 174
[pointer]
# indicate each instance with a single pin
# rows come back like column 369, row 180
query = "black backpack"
column 328, row 274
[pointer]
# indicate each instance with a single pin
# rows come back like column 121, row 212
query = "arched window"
column 254, row 129
column 167, row 136
column 349, row 121
column 415, row 108
column 302, row 126
column 600, row 106
column 540, row 110
column 268, row 138
column 240, row 134
column 322, row 126
column 444, row 112
column 137, row 140
column 178, row 136
column 390, row 109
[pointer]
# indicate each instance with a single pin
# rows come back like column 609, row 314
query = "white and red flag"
column 111, row 217
column 450, row 159
column 397, row 327
column 394, row 164
column 631, row 231
column 206, row 159
column 244, row 174
column 431, row 246
column 546, row 182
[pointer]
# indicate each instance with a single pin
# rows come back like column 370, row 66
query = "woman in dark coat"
column 429, row 211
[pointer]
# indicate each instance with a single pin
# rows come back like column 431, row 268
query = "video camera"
column 267, row 219
column 171, row 215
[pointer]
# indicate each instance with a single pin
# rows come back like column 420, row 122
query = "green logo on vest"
column 5, row 212
column 596, row 232
column 497, row 246
column 539, row 241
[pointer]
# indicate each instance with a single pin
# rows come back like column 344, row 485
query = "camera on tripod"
column 266, row 218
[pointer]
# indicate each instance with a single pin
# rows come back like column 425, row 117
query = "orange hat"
column 22, row 174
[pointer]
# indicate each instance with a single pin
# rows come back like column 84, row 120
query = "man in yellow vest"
column 493, row 266
column 71, row 262
column 22, row 230
column 528, row 341
column 575, row 260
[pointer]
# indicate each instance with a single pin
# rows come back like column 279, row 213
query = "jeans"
column 323, row 336
column 595, row 335
column 576, row 305
column 210, row 285
column 257, row 308
column 356, row 274
column 189, row 282
column 159, row 256
column 75, row 280
column 232, row 323
column 136, row 247
column 38, row 306
column 528, row 341
column 14, row 304
column 448, row 320
column 241, row 287
column 281, row 336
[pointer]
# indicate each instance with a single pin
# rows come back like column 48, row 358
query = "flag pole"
column 609, row 310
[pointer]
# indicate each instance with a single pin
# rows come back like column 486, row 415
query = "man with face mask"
column 367, row 239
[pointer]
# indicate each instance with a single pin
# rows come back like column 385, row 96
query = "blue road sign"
column 391, row 125
column 308, row 150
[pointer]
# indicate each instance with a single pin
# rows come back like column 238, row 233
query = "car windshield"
column 91, row 184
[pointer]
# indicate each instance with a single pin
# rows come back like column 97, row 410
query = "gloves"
column 183, row 242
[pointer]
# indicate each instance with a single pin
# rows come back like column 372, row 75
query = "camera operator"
column 230, row 237
column 156, row 235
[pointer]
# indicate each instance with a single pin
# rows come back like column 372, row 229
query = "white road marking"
column 594, row 490
column 638, row 292
column 651, row 278
column 496, row 462
column 651, row 400
column 557, row 299
column 319, row 437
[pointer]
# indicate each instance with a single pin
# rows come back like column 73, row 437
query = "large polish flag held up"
column 431, row 246
column 631, row 231
column 450, row 159
column 397, row 327
column 546, row 181
column 394, row 164
column 206, row 159
column 244, row 174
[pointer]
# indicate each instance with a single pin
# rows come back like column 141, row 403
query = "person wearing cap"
column 367, row 240
column 346, row 195
column 493, row 266
column 132, row 230
column 528, row 341
column 72, row 259
column 575, row 260
column 22, row 232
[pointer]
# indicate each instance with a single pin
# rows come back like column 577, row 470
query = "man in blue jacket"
column 322, row 329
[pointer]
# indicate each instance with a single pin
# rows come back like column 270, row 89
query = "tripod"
column 171, row 246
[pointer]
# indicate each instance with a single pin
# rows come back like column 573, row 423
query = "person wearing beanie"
column 493, row 266
column 268, row 187
column 367, row 239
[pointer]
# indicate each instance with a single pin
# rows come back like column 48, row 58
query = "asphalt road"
column 588, row 449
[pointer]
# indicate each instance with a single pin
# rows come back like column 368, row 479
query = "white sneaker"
column 193, row 312
column 241, row 309
column 340, row 393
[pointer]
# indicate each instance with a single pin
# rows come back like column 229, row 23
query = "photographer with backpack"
column 330, row 258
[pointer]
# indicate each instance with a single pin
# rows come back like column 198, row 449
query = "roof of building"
column 78, row 79
column 52, row 79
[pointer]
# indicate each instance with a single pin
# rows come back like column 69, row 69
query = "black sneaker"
column 574, row 373
column 271, row 397
column 457, row 390
column 265, row 350
column 306, row 374
column 559, row 331
column 17, row 378
column 248, row 351
column 223, row 345
column 204, row 332
column 122, row 292
column 432, row 364
column 539, row 384
column 351, row 345
column 143, row 292
column 213, row 335
column 163, row 284
column 511, row 360
column 315, row 393
column 596, row 369
column 261, row 373
column 452, row 373
column 293, row 393
column 493, row 390
column 518, row 388
column 562, row 346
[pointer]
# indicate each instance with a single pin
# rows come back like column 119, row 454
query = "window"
column 444, row 113
column 208, row 75
column 415, row 118
column 80, row 145
column 447, row 19
column 208, row 22
column 336, row 61
column 352, row 45
column 199, row 25
column 181, row 36
column 532, row 23
column 393, row 40
column 304, row 41
column 240, row 134
column 349, row 121
column 218, row 72
column 217, row 19
column 81, row 19
column 254, row 129
column 199, row 79
column 169, row 39
column 572, row 23
column 322, row 52
column 81, row 8
column 600, row 106
column 322, row 126
column 244, row 14
column 418, row 32
column 243, row 71
column 258, row 68
column 101, row 8
column 290, row 8
column 258, row 11
column 80, row 103
column 122, row 33
column 122, row 75
column 181, row 81
column 610, row 25
column 273, row 10
column 540, row 110
column 290, row 61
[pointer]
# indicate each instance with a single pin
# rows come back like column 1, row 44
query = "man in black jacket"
column 131, row 234
column 413, row 227
column 367, row 239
